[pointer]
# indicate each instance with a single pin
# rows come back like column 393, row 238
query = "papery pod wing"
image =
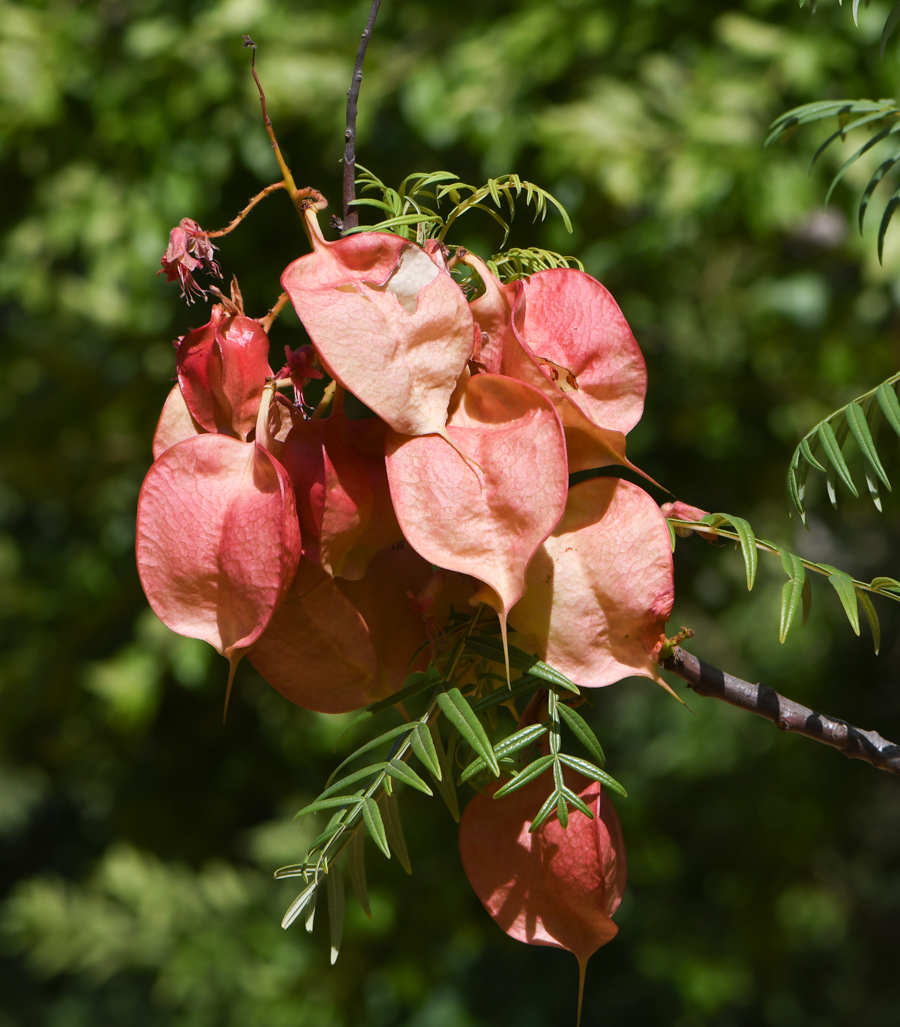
column 581, row 340
column 600, row 589
column 317, row 650
column 493, row 313
column 303, row 455
column 222, row 370
column 405, row 605
column 556, row 886
column 590, row 440
column 484, row 505
column 217, row 539
column 387, row 323
column 175, row 423
column 358, row 518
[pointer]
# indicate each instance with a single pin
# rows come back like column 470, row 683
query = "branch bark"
column 351, row 217
column 852, row 741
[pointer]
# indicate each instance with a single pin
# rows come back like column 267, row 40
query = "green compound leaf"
column 459, row 713
column 375, row 825
column 335, row 882
column 490, row 647
column 582, row 731
column 532, row 771
column 791, row 592
column 509, row 746
column 871, row 616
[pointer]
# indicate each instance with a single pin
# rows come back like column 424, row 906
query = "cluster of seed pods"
column 330, row 550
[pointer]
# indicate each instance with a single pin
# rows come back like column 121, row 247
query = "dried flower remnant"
column 189, row 250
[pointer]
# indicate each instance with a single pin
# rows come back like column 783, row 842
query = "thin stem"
column 325, row 401
column 268, row 320
column 701, row 527
column 287, row 177
column 351, row 216
column 853, row 742
column 232, row 225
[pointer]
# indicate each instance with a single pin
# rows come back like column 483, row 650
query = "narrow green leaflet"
column 373, row 744
column 890, row 405
column 871, row 616
column 874, row 417
column 459, row 713
column 310, row 921
column 833, row 450
column 401, row 772
column 334, row 825
column 335, row 911
column 532, row 771
column 444, row 783
column 330, row 803
column 513, row 744
column 859, row 428
column 375, row 825
column 554, row 803
column 393, row 829
column 423, row 746
column 299, row 904
column 594, row 773
column 748, row 546
column 492, row 648
column 806, row 447
column 573, row 800
column 883, row 583
column 791, row 592
column 582, row 731
column 846, row 590
column 356, row 869
column 889, row 26
column 357, row 775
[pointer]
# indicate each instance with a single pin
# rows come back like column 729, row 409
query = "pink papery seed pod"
column 555, row 886
column 218, row 541
column 483, row 505
column 387, row 322
column 600, row 589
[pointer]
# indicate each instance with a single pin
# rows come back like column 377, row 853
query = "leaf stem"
column 770, row 547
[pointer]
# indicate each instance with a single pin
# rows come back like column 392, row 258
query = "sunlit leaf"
column 459, row 713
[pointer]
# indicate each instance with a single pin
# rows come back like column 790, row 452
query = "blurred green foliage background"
column 137, row 835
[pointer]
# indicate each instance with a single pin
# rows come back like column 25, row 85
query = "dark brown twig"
column 351, row 217
column 785, row 713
